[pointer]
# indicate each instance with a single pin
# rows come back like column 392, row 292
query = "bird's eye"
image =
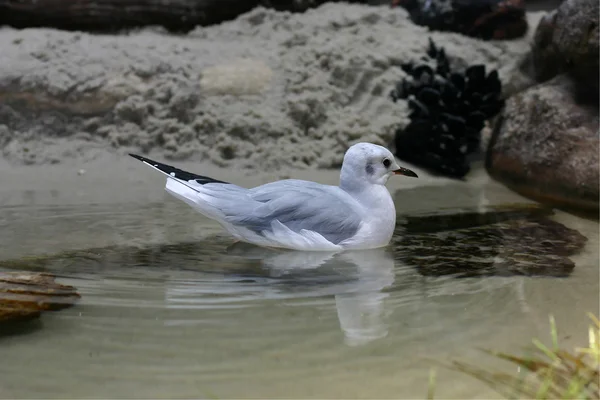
column 386, row 162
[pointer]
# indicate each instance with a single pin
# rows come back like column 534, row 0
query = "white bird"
column 298, row 214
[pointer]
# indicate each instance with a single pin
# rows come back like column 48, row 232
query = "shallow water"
column 172, row 308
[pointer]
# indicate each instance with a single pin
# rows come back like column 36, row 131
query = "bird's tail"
column 177, row 173
column 185, row 186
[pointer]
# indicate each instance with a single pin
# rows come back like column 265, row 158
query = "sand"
column 271, row 91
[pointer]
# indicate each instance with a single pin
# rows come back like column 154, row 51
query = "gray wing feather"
column 296, row 204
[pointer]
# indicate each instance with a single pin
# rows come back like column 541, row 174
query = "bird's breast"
column 379, row 221
column 383, row 221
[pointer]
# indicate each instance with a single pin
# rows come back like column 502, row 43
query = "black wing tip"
column 176, row 172
column 138, row 157
column 149, row 161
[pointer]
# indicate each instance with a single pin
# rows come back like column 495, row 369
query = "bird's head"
column 367, row 163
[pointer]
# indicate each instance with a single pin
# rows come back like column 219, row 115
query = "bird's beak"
column 404, row 171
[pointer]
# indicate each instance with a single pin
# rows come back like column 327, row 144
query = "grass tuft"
column 548, row 373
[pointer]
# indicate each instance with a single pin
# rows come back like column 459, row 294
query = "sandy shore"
column 270, row 91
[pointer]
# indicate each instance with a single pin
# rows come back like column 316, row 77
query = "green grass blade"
column 545, row 350
column 553, row 333
column 431, row 385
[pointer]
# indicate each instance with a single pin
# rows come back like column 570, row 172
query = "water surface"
column 171, row 307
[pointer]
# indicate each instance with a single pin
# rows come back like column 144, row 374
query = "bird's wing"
column 299, row 205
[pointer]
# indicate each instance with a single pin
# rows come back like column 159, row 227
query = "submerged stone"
column 495, row 242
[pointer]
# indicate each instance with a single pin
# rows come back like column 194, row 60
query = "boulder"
column 544, row 57
column 566, row 40
column 545, row 145
column 24, row 295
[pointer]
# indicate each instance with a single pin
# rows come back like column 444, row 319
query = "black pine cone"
column 448, row 111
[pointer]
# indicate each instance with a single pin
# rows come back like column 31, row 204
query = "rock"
column 24, row 295
column 567, row 40
column 576, row 37
column 545, row 145
column 543, row 54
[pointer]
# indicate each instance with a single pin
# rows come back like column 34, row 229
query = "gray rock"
column 545, row 145
column 544, row 56
column 567, row 40
column 576, row 36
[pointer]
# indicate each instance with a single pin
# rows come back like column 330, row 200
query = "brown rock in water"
column 24, row 295
column 545, row 145
column 567, row 40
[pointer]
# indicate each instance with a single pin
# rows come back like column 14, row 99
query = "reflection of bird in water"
column 354, row 278
column 362, row 312
column 359, row 301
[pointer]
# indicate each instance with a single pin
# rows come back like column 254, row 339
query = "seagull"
column 298, row 214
